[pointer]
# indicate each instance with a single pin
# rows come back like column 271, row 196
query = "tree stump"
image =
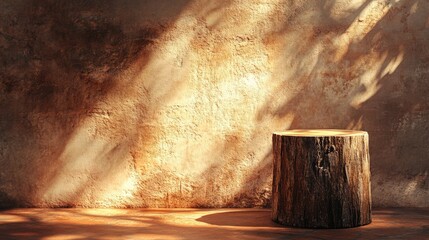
column 321, row 178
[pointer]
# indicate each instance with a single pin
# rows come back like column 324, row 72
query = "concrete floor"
column 195, row 224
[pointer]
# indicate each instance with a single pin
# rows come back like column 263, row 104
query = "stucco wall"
column 172, row 103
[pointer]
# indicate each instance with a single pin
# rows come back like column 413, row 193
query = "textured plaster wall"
column 172, row 103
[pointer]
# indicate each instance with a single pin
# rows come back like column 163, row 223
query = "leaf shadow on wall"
column 364, row 70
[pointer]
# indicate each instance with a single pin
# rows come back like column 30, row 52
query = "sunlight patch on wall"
column 342, row 9
column 361, row 26
column 368, row 82
column 370, row 79
column 78, row 161
column 120, row 189
column 92, row 166
column 394, row 63
column 356, row 124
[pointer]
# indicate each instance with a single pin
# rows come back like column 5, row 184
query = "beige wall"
column 172, row 103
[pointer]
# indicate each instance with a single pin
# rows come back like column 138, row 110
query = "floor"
column 195, row 224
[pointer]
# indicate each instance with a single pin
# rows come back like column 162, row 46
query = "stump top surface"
column 320, row 132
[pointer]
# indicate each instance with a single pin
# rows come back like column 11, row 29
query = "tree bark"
column 321, row 178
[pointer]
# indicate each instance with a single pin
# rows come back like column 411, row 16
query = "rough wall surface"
column 172, row 103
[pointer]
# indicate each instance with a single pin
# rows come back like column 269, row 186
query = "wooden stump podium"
column 321, row 178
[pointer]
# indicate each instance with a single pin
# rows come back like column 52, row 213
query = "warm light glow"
column 361, row 26
column 394, row 63
column 51, row 224
column 187, row 120
column 9, row 218
column 369, row 82
column 341, row 9
column 354, row 125
column 64, row 237
column 319, row 132
column 102, row 211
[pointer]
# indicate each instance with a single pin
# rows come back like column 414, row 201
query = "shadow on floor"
column 75, row 223
column 258, row 218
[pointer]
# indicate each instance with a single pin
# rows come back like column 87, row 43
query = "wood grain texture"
column 321, row 181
